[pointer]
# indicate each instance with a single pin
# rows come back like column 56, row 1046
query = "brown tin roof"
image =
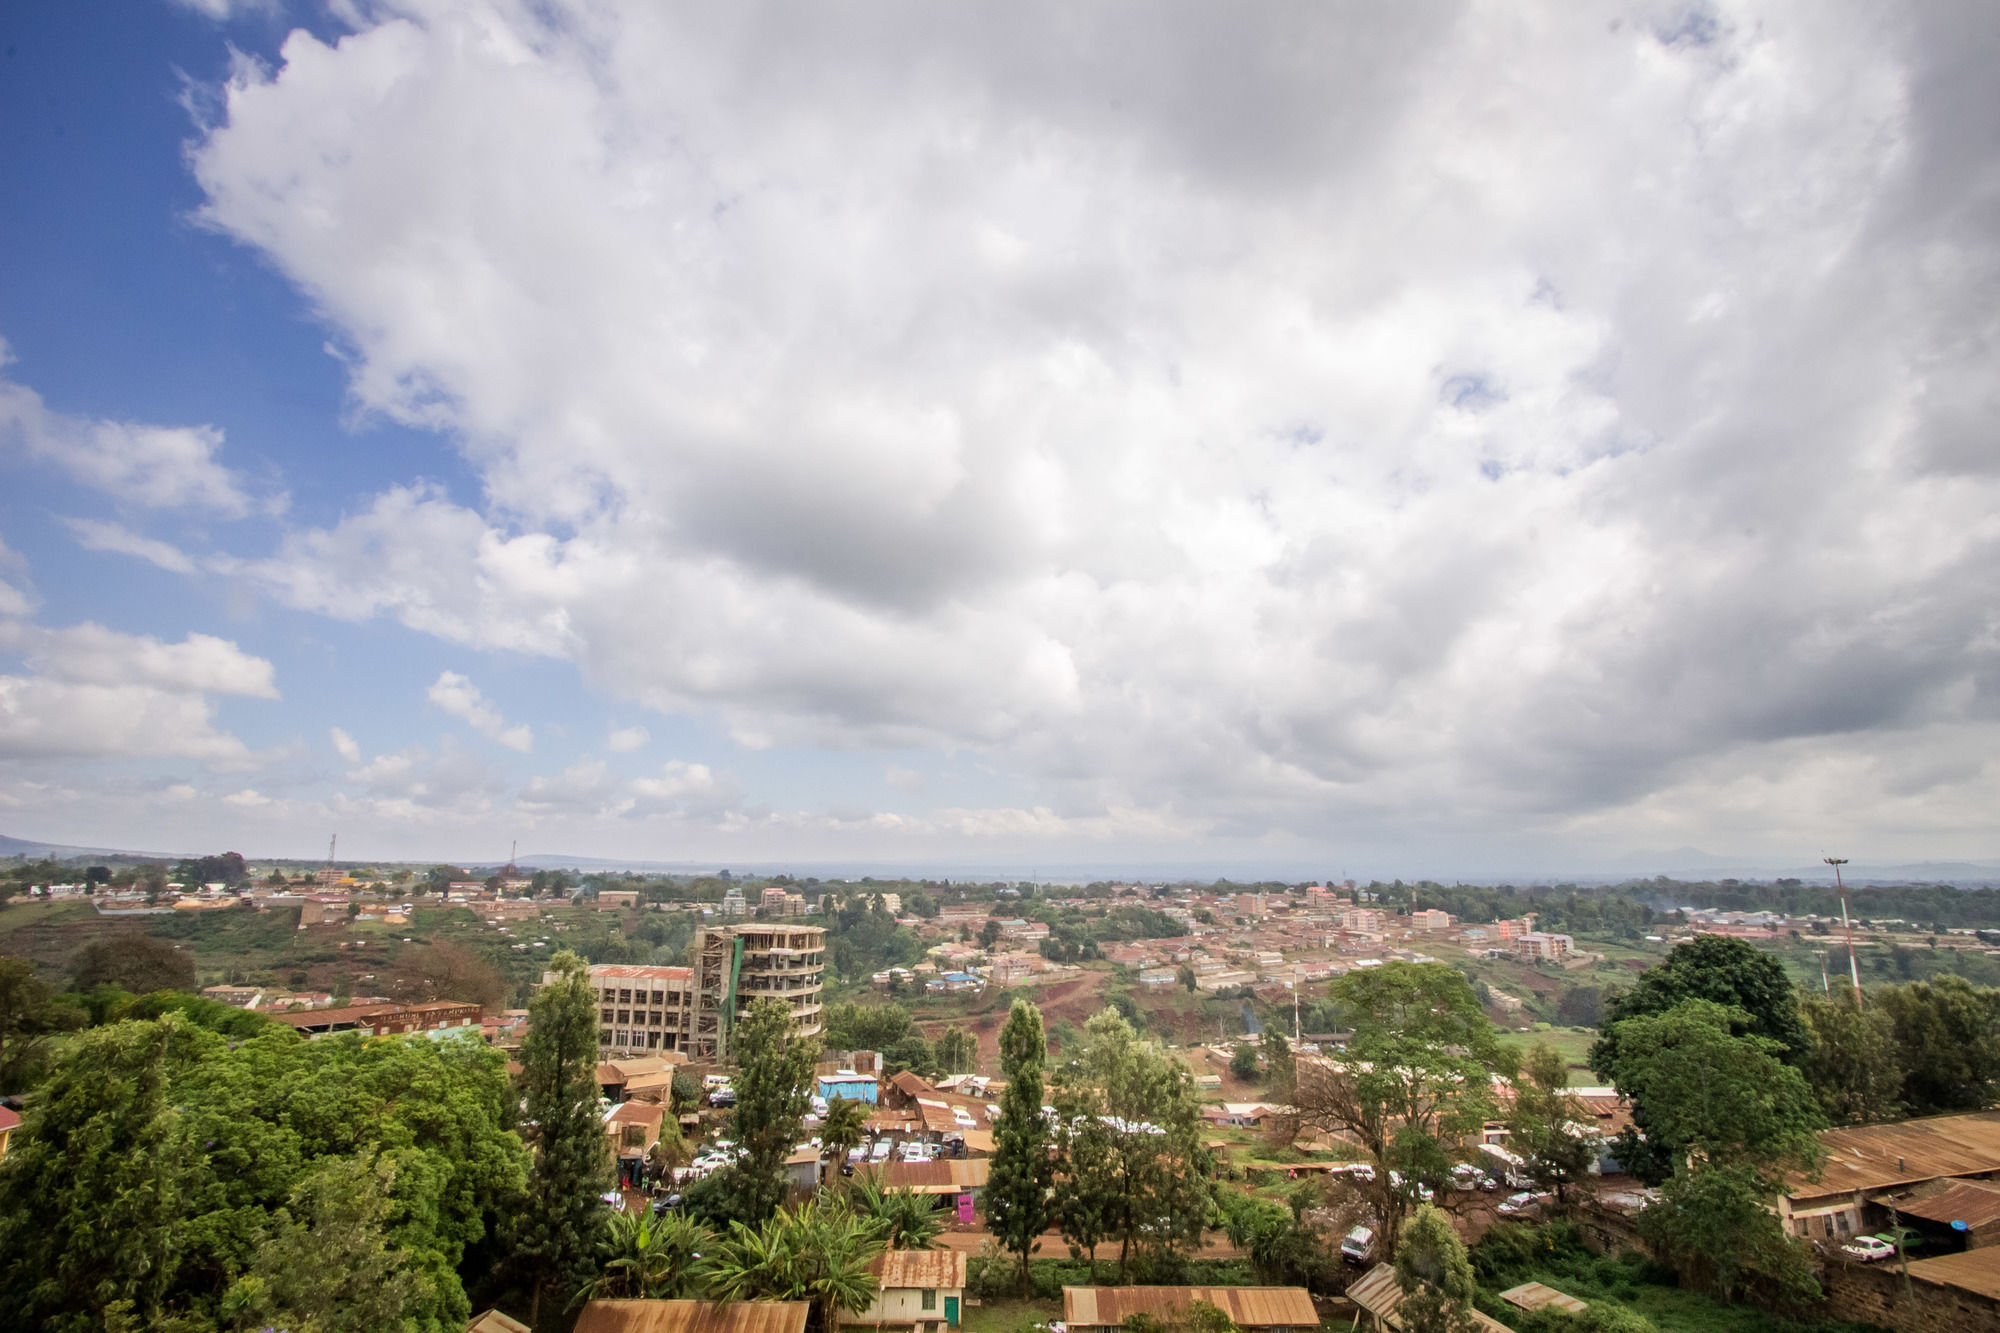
column 1250, row 1307
column 693, row 1317
column 943, row 1269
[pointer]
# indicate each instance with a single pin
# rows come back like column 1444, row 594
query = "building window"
column 624, row 1015
column 624, row 997
column 930, row 1298
column 604, row 1036
column 606, row 1016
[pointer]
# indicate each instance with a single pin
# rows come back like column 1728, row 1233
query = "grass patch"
column 1004, row 1315
column 1513, row 1253
column 1573, row 1044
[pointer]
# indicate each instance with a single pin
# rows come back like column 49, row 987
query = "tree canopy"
column 1721, row 969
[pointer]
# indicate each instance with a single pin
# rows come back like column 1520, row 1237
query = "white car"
column 1868, row 1249
column 881, row 1151
column 1517, row 1205
column 1359, row 1246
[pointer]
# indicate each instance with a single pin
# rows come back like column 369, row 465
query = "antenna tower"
column 1853, row 966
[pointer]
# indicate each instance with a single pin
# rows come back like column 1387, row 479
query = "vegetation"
column 774, row 1074
column 561, row 1227
column 1017, row 1189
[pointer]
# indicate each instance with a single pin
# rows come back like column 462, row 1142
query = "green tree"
column 1947, row 1041
column 1717, row 1227
column 1724, row 970
column 560, row 1228
column 957, row 1050
column 95, row 1194
column 1243, row 1062
column 1547, row 1125
column 1185, row 975
column 818, row 1252
column 1016, row 1201
column 1854, row 1065
column 649, row 1258
column 1435, row 1275
column 774, row 1071
column 865, row 1027
column 326, row 1265
column 1280, row 1067
column 136, row 963
column 906, row 1219
column 30, row 1013
column 1700, row 1091
column 843, row 1127
column 1129, row 1127
column 1416, row 1077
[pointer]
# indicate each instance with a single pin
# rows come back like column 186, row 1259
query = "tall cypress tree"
column 1017, row 1187
column 563, row 1221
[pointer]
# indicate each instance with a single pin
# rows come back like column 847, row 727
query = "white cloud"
column 1370, row 448
column 94, row 692
column 248, row 798
column 458, row 696
column 344, row 746
column 624, row 740
column 154, row 466
column 903, row 779
column 223, row 10
column 95, row 535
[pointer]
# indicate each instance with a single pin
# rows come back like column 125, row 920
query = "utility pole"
column 1853, row 967
column 1824, row 985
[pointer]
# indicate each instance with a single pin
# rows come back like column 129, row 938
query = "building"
column 1431, row 919
column 690, row 1009
column 618, row 899
column 632, row 1129
column 641, row 1008
column 773, row 901
column 9, row 1122
column 1365, row 920
column 1913, row 1165
column 693, row 1317
column 1263, row 1309
column 848, row 1083
column 733, row 904
column 240, row 997
column 1543, row 947
column 382, row 1020
column 920, row 1290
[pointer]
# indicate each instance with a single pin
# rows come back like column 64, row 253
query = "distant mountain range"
column 58, row 851
column 1680, row 863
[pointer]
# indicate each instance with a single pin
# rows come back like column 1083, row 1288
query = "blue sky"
column 892, row 435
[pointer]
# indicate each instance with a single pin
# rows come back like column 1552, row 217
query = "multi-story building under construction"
column 692, row 1009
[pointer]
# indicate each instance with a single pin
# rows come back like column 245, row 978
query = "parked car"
column 881, row 1151
column 1359, row 1247
column 1519, row 1205
column 1421, row 1190
column 665, row 1204
column 1868, row 1249
column 1466, row 1176
column 724, row 1096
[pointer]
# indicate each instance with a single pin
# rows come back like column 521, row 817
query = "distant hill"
column 56, row 851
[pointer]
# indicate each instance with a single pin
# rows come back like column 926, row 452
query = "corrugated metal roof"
column 943, row 1269
column 1536, row 1296
column 1970, row 1270
column 1972, row 1202
column 950, row 1176
column 692, row 1317
column 640, row 972
column 1250, row 1307
column 648, row 1114
column 1379, row 1294
column 1872, row 1157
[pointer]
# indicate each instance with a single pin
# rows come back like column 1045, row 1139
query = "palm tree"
column 649, row 1258
column 817, row 1252
column 845, row 1125
column 907, row 1219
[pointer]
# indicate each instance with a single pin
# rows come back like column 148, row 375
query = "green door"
column 951, row 1311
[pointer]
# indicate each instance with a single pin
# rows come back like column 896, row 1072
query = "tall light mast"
column 1853, row 967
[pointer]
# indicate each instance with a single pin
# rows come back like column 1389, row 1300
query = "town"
column 1200, row 1126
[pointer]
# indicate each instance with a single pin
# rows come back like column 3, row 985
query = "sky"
column 1415, row 439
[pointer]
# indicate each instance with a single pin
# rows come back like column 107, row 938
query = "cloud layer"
column 1418, row 426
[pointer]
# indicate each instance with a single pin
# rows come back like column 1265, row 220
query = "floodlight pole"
column 1853, row 967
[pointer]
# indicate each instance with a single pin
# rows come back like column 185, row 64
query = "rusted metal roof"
column 639, row 972
column 1536, row 1296
column 1969, row 1270
column 693, row 1317
column 1378, row 1292
column 950, row 1176
column 1973, row 1202
column 942, row 1269
column 648, row 1114
column 1873, row 1157
column 1250, row 1307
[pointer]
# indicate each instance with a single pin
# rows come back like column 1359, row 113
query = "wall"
column 1873, row 1294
